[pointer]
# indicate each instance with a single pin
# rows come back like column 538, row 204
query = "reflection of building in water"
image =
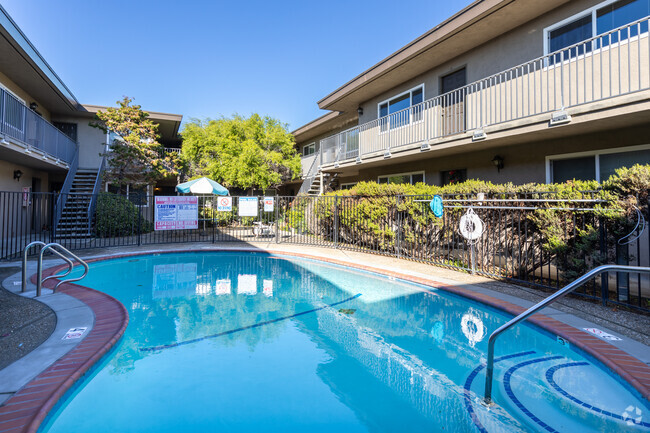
column 431, row 392
column 203, row 289
column 246, row 284
column 174, row 280
column 223, row 287
column 267, row 288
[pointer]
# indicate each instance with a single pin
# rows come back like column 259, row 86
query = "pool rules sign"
column 177, row 213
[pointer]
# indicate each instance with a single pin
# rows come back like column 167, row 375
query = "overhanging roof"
column 168, row 124
column 21, row 62
column 324, row 124
column 478, row 23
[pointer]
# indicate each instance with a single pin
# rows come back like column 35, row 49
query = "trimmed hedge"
column 371, row 216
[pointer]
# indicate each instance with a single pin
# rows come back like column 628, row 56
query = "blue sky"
column 211, row 58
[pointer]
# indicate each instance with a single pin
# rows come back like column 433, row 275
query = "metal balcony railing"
column 609, row 65
column 167, row 150
column 31, row 130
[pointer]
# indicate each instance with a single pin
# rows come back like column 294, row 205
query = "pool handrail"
column 53, row 246
column 24, row 265
column 535, row 308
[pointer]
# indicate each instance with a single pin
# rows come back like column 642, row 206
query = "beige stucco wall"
column 523, row 163
column 7, row 182
column 13, row 87
column 92, row 142
column 511, row 49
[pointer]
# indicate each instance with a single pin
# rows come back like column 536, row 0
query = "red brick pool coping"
column 27, row 409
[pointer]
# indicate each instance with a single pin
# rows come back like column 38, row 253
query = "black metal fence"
column 516, row 242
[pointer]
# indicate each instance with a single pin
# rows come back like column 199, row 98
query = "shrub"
column 372, row 217
column 117, row 216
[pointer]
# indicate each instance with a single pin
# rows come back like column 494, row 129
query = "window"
column 596, row 165
column 619, row 14
column 570, row 34
column 138, row 195
column 582, row 168
column 391, row 113
column 412, row 178
column 69, row 129
column 348, row 185
column 600, row 19
column 21, row 100
column 450, row 177
column 309, row 149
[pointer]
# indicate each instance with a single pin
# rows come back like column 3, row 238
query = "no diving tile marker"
column 74, row 333
column 602, row 334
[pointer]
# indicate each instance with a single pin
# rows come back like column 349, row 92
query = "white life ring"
column 471, row 226
column 473, row 328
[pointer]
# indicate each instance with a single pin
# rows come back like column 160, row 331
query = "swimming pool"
column 243, row 341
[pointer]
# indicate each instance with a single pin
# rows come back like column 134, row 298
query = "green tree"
column 253, row 152
column 135, row 156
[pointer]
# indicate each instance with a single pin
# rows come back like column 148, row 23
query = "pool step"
column 556, row 394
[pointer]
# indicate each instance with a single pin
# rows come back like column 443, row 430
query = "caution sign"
column 74, row 333
column 269, row 202
column 224, row 204
column 176, row 213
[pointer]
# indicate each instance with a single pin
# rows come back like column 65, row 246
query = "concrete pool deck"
column 31, row 386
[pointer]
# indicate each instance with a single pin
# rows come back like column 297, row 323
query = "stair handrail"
column 65, row 191
column 39, row 271
column 93, row 198
column 311, row 175
column 535, row 308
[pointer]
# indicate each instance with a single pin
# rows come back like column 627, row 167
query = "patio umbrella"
column 202, row 186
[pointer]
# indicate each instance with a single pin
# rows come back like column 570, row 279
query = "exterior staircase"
column 74, row 221
column 328, row 180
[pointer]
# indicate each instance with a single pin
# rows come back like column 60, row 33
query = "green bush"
column 117, row 216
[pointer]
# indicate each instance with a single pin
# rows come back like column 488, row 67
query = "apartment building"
column 505, row 91
column 46, row 142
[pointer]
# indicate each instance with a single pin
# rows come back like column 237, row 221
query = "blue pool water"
column 254, row 342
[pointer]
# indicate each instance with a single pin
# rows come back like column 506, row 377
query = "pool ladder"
column 58, row 250
column 535, row 308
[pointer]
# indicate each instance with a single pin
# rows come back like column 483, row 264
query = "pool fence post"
column 604, row 277
column 336, row 221
column 139, row 217
column 398, row 237
column 277, row 216
column 52, row 218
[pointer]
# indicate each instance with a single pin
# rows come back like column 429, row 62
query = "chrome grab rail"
column 40, row 280
column 535, row 308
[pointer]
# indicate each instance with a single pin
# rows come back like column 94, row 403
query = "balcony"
column 585, row 77
column 170, row 150
column 25, row 131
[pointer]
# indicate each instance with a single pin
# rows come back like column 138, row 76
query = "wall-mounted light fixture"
column 360, row 111
column 33, row 106
column 17, row 175
column 498, row 162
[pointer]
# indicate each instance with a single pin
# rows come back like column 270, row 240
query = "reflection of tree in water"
column 155, row 321
column 406, row 321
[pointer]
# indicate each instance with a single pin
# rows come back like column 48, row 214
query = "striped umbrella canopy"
column 202, row 185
